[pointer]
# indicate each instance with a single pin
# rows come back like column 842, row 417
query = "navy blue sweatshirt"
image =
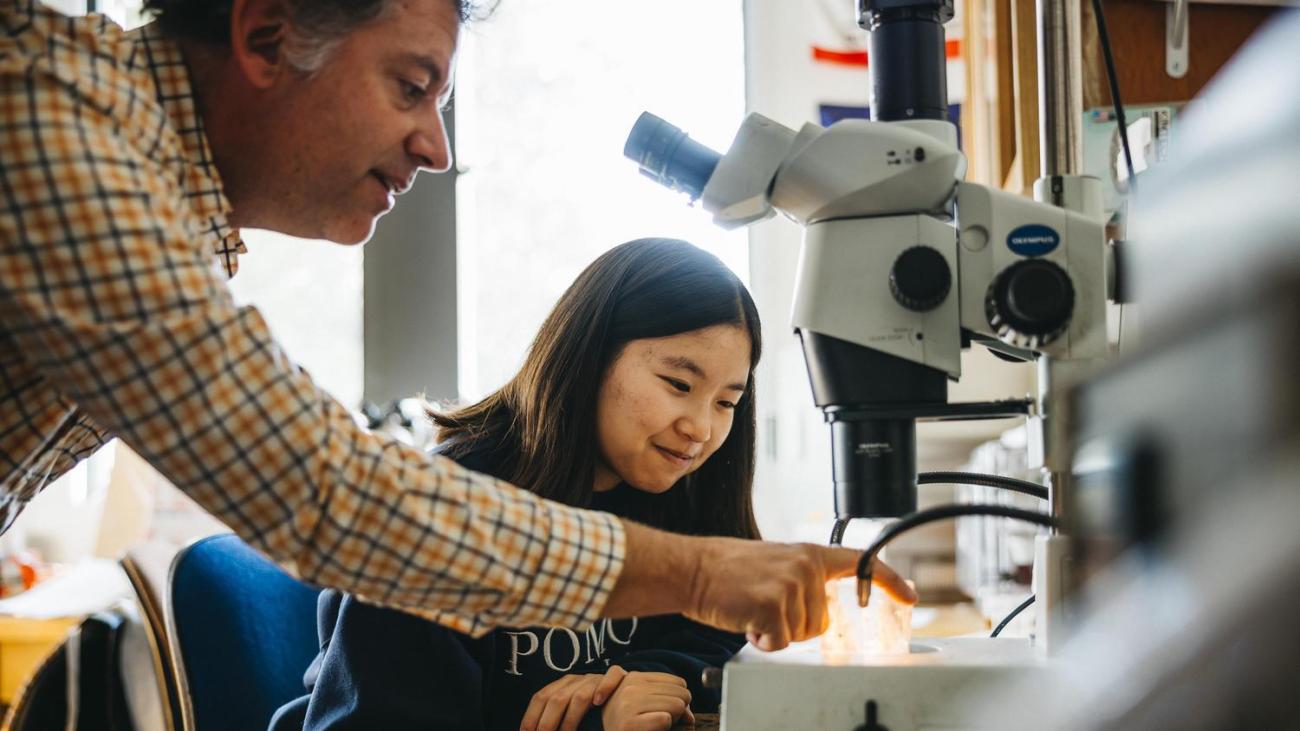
column 381, row 668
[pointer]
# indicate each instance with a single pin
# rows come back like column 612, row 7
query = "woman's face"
column 667, row 404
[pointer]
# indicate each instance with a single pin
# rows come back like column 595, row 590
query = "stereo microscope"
column 903, row 264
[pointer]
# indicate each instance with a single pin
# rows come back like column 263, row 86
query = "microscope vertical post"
column 1060, row 94
column 1060, row 88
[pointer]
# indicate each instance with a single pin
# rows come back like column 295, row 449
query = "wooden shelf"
column 1137, row 34
column 1000, row 116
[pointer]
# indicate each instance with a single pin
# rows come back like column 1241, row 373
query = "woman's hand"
column 648, row 702
column 561, row 705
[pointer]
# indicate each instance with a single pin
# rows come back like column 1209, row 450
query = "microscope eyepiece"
column 668, row 156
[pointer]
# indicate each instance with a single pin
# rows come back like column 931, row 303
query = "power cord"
column 837, row 530
column 922, row 517
column 1023, row 487
column 1014, row 613
column 1099, row 15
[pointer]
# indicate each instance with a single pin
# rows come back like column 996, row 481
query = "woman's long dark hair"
column 541, row 426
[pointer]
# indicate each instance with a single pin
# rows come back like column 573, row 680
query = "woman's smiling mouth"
column 679, row 459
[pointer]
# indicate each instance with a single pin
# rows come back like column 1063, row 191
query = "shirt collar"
column 201, row 181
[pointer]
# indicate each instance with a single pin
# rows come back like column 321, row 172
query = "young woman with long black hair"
column 637, row 398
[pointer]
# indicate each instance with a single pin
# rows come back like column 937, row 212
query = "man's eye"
column 679, row 385
column 412, row 93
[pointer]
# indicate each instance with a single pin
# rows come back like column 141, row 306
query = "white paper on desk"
column 81, row 589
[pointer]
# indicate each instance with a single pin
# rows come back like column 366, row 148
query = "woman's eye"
column 679, row 385
column 727, row 404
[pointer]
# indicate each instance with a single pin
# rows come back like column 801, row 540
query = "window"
column 310, row 292
column 545, row 99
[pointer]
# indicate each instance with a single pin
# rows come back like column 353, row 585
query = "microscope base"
column 800, row 688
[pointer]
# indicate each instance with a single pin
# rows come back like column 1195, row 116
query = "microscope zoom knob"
column 1030, row 303
column 920, row 279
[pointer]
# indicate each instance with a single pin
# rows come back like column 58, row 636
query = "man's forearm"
column 659, row 573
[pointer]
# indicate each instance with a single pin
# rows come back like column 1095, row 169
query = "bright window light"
column 546, row 95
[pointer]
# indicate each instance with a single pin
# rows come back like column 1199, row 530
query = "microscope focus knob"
column 920, row 279
column 1030, row 303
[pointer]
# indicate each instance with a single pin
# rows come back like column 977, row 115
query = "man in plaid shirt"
column 128, row 163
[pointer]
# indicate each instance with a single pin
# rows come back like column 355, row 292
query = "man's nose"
column 430, row 147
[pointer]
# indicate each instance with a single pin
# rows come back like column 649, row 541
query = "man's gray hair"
column 318, row 25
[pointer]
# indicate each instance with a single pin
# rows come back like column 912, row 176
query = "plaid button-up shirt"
column 114, row 322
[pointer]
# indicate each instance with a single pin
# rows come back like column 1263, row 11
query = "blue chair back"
column 244, row 633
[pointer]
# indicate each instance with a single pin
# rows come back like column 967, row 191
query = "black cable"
column 837, row 531
column 1100, row 16
column 1023, row 487
column 1014, row 613
column 943, row 512
column 974, row 478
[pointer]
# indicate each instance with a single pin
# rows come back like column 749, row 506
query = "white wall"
column 310, row 293
column 67, row 7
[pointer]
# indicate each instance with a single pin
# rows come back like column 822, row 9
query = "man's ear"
column 259, row 31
